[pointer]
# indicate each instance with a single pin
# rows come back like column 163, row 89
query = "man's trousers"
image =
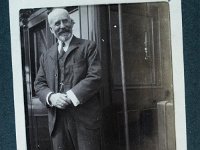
column 70, row 135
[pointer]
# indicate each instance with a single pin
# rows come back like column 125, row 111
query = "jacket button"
column 56, row 75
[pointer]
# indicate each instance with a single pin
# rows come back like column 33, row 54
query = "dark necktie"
column 62, row 52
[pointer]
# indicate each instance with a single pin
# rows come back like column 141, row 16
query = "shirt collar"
column 66, row 44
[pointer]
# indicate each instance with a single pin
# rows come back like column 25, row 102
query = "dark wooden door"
column 147, row 74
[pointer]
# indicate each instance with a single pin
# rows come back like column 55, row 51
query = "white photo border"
column 177, row 61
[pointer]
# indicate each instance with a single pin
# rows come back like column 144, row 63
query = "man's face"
column 60, row 24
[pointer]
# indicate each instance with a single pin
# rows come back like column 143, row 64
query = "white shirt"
column 65, row 48
column 70, row 94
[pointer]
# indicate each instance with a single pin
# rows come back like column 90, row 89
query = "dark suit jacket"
column 83, row 73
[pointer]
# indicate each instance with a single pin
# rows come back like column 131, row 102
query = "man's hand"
column 59, row 100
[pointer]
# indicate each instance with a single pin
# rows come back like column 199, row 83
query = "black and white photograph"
column 98, row 77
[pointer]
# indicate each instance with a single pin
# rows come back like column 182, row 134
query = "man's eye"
column 65, row 21
column 57, row 23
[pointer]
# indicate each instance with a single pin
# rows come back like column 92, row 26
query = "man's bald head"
column 55, row 12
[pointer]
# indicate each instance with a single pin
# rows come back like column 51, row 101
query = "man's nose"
column 62, row 25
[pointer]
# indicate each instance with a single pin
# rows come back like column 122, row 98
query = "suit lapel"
column 74, row 44
column 54, row 52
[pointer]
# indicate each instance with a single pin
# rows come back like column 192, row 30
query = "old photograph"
column 98, row 77
column 103, row 75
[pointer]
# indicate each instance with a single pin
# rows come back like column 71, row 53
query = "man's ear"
column 72, row 22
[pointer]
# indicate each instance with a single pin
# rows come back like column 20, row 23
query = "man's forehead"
column 57, row 13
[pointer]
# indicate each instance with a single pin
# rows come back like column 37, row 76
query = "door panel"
column 142, row 40
column 38, row 45
column 139, row 47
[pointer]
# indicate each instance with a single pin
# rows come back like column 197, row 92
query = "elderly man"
column 68, row 83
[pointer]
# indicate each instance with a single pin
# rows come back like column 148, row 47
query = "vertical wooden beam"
column 123, row 78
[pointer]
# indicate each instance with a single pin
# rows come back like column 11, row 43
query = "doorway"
column 136, row 57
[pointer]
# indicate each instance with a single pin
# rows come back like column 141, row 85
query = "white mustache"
column 64, row 31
